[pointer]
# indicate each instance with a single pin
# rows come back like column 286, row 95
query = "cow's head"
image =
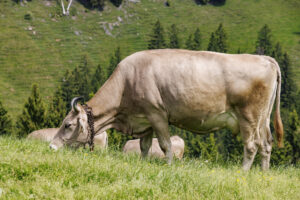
column 74, row 128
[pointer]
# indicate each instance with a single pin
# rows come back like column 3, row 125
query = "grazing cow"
column 48, row 134
column 198, row 91
column 133, row 146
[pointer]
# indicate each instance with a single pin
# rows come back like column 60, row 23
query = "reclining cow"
column 48, row 134
column 133, row 146
column 195, row 90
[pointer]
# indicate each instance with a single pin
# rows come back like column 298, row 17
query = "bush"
column 28, row 16
column 5, row 121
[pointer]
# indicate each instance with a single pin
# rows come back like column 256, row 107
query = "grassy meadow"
column 30, row 170
column 41, row 49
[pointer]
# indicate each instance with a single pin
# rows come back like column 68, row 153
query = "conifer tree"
column 233, row 146
column 288, row 86
column 197, row 40
column 157, row 40
column 98, row 79
column 77, row 82
column 277, row 53
column 221, row 39
column 117, row 3
column 114, row 61
column 5, row 121
column 189, row 42
column 82, row 78
column 68, row 88
column 33, row 116
column 212, row 45
column 293, row 135
column 117, row 139
column 209, row 147
column 96, row 3
column 57, row 110
column 264, row 41
column 174, row 39
column 218, row 40
column 297, row 106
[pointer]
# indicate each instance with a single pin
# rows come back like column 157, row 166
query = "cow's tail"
column 277, row 119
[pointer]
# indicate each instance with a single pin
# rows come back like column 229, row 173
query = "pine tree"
column 288, row 86
column 96, row 3
column 5, row 121
column 189, row 42
column 197, row 40
column 77, row 82
column 117, row 3
column 297, row 106
column 117, row 139
column 264, row 41
column 57, row 110
column 221, row 39
column 174, row 39
column 157, row 40
column 209, row 147
column 277, row 53
column 233, row 146
column 98, row 79
column 212, row 45
column 83, row 80
column 33, row 116
column 68, row 88
column 114, row 61
column 218, row 40
column 293, row 135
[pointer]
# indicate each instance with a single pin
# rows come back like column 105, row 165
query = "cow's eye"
column 67, row 125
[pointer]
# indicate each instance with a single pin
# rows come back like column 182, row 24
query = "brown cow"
column 133, row 146
column 195, row 90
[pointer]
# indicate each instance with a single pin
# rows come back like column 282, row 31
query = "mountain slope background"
column 41, row 49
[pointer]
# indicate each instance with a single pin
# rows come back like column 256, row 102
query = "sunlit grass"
column 29, row 169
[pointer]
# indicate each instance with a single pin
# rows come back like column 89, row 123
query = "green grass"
column 30, row 170
column 42, row 58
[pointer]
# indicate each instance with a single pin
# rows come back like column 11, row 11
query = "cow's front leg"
column 146, row 143
column 160, row 125
column 166, row 146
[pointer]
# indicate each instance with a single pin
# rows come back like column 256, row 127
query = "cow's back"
column 193, row 86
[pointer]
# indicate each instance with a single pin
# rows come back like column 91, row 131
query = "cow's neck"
column 106, row 102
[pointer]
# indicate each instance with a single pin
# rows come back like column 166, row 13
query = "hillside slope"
column 41, row 49
column 30, row 170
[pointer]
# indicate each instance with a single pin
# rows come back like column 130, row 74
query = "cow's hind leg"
column 265, row 146
column 145, row 143
column 250, row 146
column 159, row 124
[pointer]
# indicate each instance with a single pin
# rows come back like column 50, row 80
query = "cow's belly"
column 214, row 122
